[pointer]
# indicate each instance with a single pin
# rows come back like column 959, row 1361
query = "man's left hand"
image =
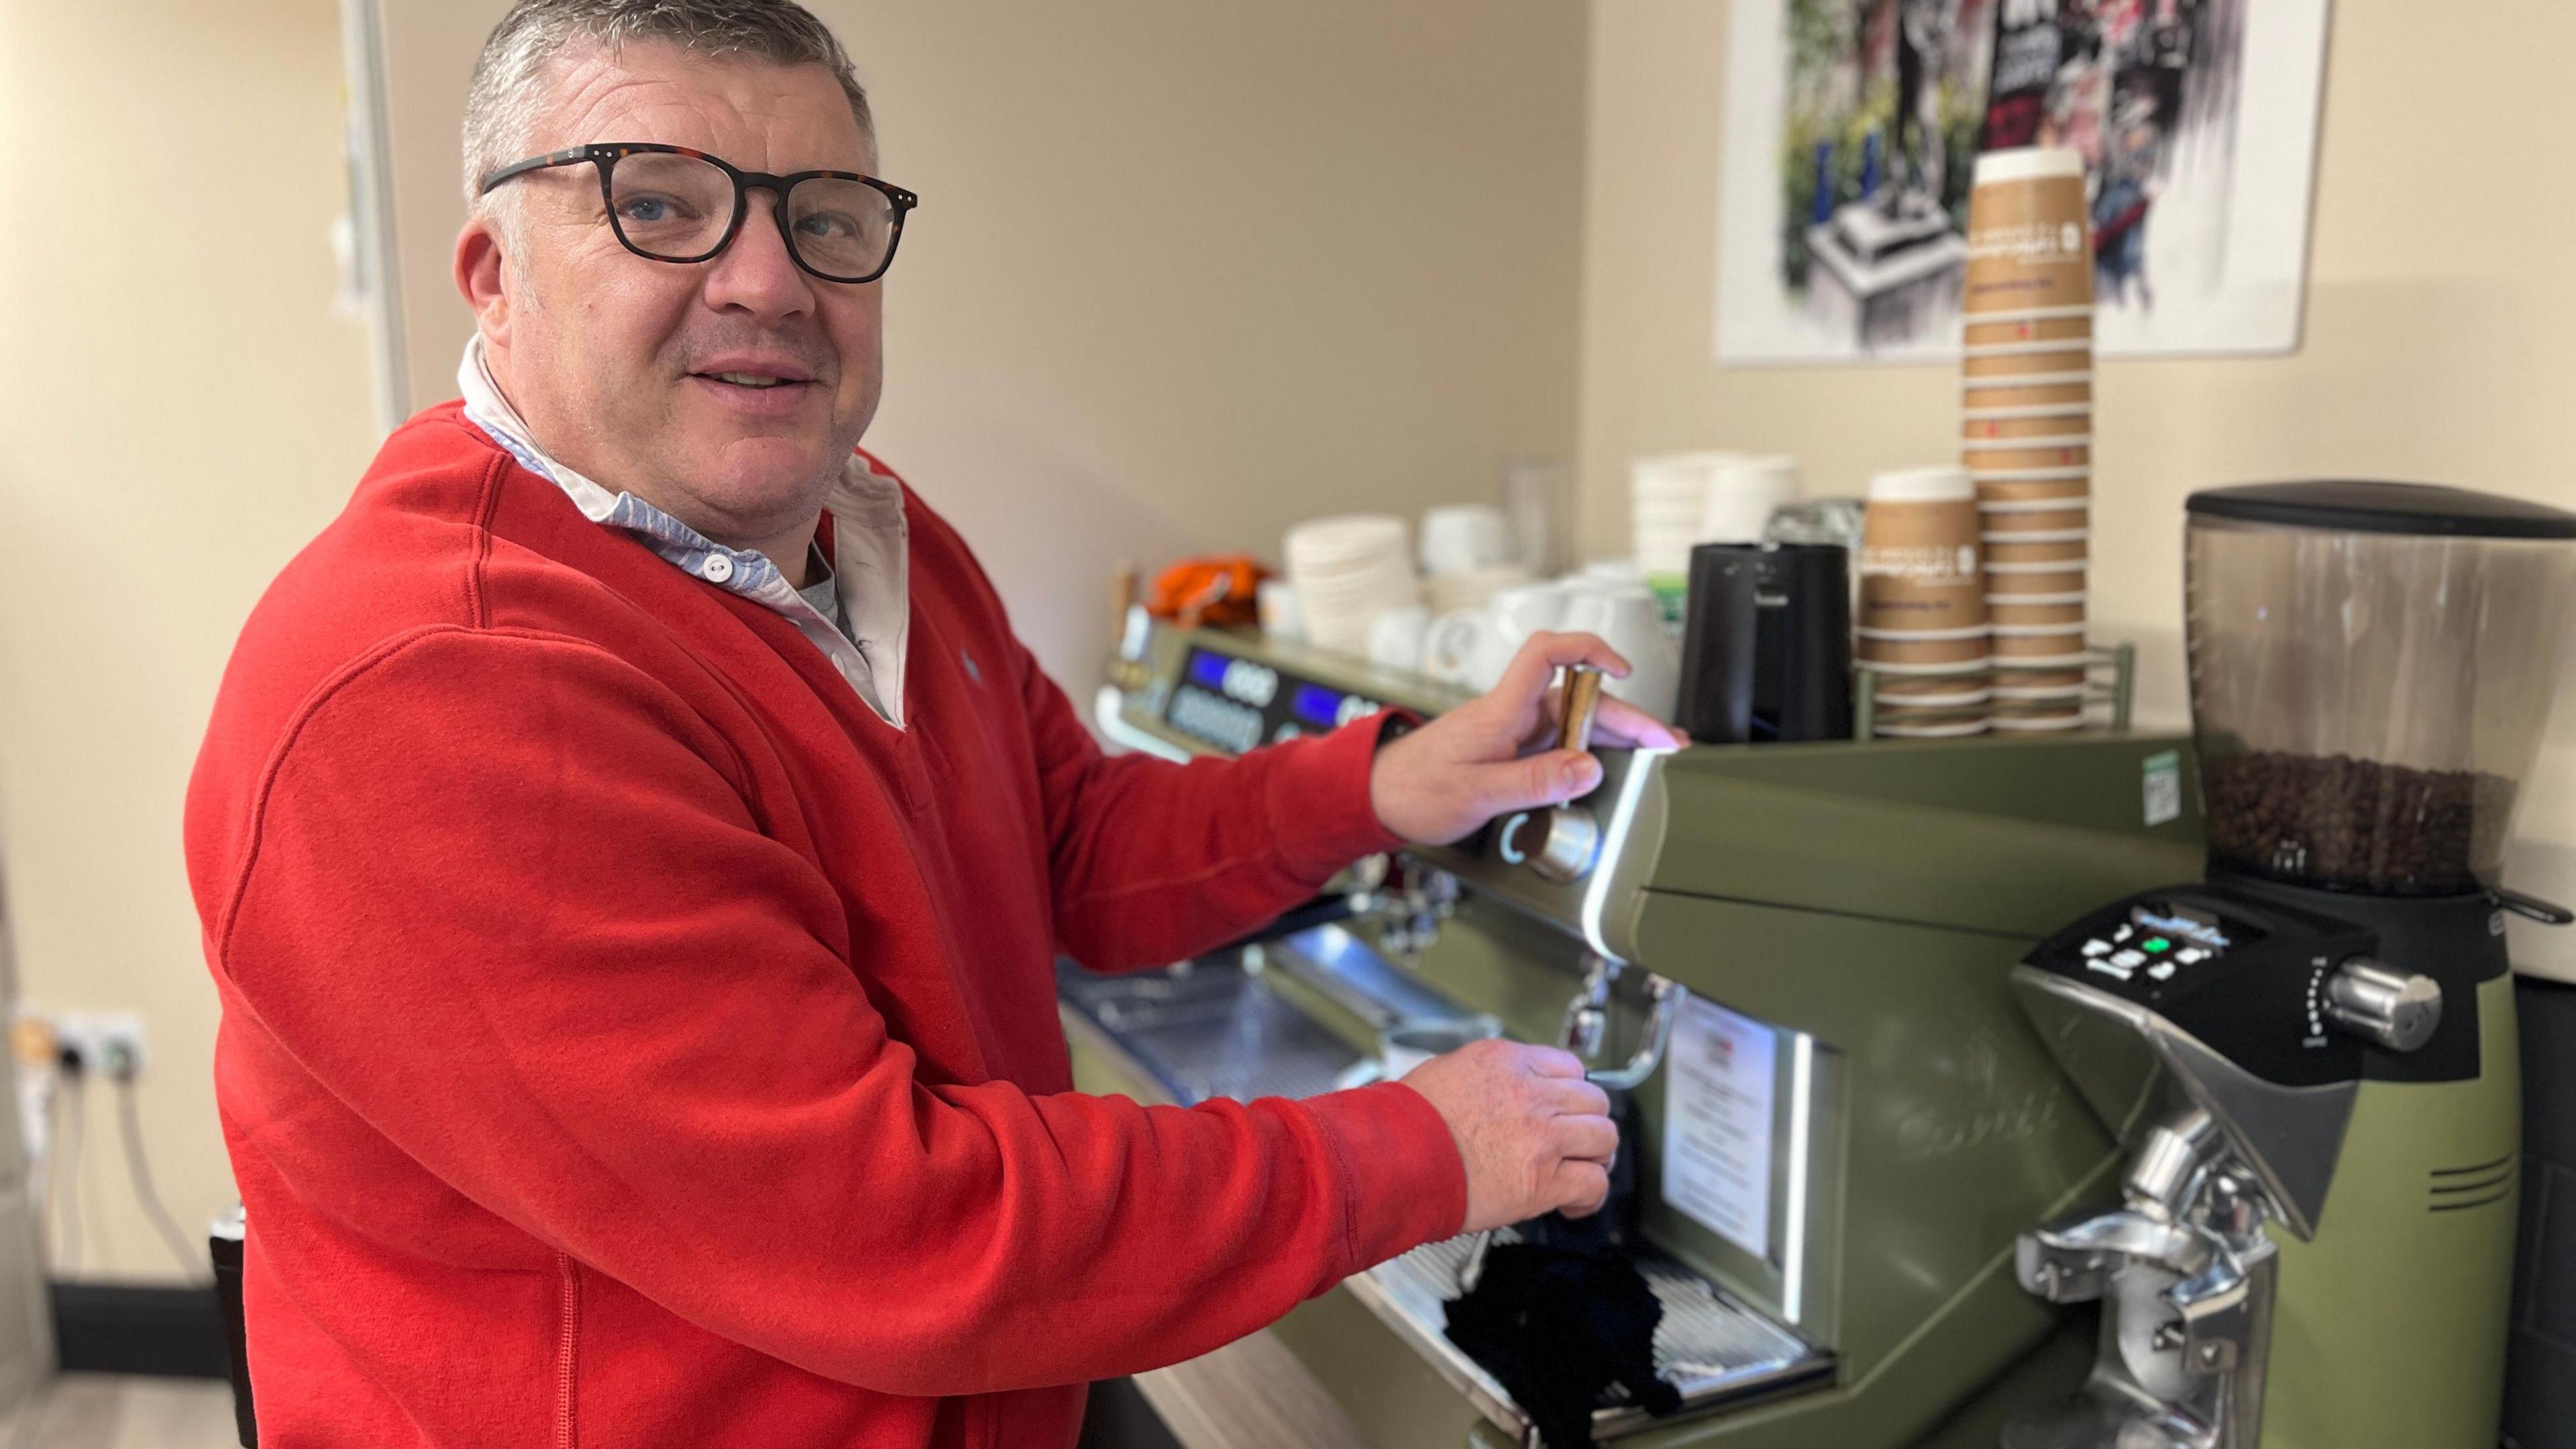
column 1495, row 754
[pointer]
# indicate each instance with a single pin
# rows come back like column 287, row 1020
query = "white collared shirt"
column 869, row 539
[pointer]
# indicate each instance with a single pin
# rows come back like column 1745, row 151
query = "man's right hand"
column 1535, row 1136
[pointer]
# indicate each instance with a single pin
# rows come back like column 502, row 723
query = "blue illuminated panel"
column 1319, row 706
column 1207, row 669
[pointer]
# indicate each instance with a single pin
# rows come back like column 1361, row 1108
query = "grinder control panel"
column 2161, row 940
column 2264, row 985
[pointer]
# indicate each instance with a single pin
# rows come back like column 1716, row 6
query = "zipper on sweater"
column 566, row 1436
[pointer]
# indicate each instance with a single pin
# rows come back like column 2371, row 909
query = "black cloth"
column 1563, row 1314
column 1557, row 1326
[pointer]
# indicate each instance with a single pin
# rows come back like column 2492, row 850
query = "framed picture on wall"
column 1853, row 127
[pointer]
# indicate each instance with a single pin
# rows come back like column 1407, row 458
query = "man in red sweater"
column 632, row 850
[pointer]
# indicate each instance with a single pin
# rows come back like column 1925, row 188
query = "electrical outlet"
column 108, row 1043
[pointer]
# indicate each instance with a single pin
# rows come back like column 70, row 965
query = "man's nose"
column 756, row 274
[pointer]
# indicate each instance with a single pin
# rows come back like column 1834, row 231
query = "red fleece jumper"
column 630, row 1039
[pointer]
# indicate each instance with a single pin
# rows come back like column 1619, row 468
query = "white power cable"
column 66, row 1175
column 136, row 1164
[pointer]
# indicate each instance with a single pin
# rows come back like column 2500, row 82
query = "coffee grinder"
column 2310, row 1055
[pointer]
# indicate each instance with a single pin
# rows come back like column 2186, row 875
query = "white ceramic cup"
column 1529, row 609
column 1462, row 538
column 1395, row 638
column 1456, row 646
column 1631, row 621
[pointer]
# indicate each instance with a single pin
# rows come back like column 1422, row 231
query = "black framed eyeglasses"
column 673, row 204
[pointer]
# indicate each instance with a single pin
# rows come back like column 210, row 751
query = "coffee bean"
column 2358, row 824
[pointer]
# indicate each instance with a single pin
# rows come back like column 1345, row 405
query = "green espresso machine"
column 2311, row 1052
column 1917, row 1166
column 1797, row 956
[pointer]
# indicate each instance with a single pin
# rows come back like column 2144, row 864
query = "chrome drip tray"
column 1214, row 1030
column 1715, row 1350
column 1209, row 1031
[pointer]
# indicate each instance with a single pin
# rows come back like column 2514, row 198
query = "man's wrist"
column 1387, row 764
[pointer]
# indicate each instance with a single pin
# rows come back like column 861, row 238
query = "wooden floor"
column 106, row 1411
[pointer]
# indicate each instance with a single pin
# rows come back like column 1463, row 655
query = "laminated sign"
column 1719, row 1083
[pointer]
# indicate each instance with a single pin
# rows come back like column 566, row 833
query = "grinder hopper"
column 2371, row 669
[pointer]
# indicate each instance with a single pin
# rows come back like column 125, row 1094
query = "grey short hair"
column 508, row 92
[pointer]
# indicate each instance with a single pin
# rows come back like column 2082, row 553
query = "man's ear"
column 481, row 268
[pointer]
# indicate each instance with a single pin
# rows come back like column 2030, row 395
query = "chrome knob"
column 2394, row 1009
column 1569, row 838
column 1571, row 843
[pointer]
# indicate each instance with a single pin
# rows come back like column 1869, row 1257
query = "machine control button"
column 2390, row 1008
column 2131, row 960
column 2161, row 971
column 2097, row 948
column 2122, row 934
column 2191, row 955
column 2116, row 973
column 1253, row 684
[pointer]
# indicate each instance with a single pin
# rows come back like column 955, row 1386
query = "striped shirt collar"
column 864, row 503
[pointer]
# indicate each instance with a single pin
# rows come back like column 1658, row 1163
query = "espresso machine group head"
column 2311, row 1053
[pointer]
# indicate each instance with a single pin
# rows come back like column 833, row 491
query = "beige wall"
column 2440, row 336
column 182, row 411
column 1182, row 274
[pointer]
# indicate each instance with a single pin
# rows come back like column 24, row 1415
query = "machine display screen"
column 1319, row 706
column 1236, row 704
column 1207, row 669
column 2176, row 927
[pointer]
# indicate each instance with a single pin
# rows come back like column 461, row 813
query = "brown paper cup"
column 2016, row 615
column 1930, row 726
column 2028, row 329
column 2041, row 685
column 1964, row 674
column 2026, row 651
column 1987, row 461
column 1919, row 564
column 1982, row 399
column 2056, row 422
column 2055, row 585
column 2031, row 490
column 1934, row 691
column 2067, row 551
column 2030, row 245
column 2037, row 721
column 2055, row 361
column 1885, row 647
column 2004, row 524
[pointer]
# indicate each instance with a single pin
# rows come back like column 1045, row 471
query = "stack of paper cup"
column 1922, row 624
column 2027, row 390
